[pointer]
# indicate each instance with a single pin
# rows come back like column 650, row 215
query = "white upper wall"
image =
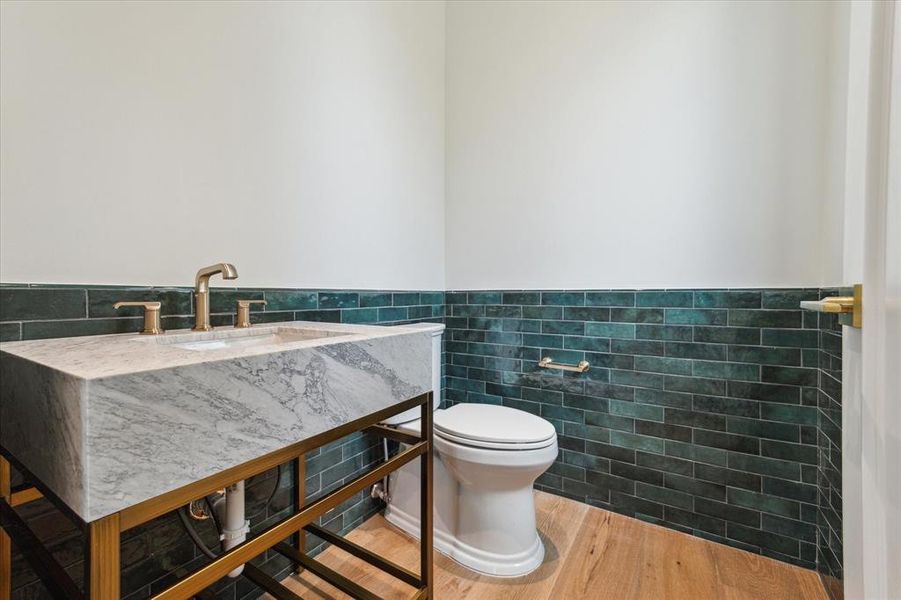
column 303, row 142
column 621, row 144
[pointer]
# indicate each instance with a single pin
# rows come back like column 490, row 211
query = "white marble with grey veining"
column 109, row 421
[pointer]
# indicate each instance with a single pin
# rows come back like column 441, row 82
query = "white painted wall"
column 622, row 144
column 303, row 142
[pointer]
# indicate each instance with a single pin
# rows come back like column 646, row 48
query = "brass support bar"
column 393, row 434
column 338, row 580
column 268, row 584
column 426, row 473
column 6, row 551
column 405, row 575
column 101, row 566
column 25, row 495
column 58, row 582
column 245, row 551
column 300, row 498
column 154, row 507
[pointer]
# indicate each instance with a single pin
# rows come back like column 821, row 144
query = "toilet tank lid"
column 492, row 423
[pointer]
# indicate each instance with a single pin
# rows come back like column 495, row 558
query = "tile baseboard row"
column 715, row 412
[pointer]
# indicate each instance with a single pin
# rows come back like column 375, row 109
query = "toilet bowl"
column 486, row 460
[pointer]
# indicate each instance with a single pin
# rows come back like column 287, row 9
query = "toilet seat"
column 494, row 445
column 494, row 427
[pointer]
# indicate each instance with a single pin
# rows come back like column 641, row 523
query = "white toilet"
column 486, row 459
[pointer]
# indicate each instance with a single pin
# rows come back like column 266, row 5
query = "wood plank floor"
column 590, row 553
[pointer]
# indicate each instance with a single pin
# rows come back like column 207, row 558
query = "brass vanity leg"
column 425, row 507
column 102, row 559
column 6, row 556
column 300, row 493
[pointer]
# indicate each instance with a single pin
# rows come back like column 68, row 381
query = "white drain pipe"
column 230, row 511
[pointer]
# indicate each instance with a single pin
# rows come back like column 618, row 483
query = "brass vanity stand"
column 102, row 573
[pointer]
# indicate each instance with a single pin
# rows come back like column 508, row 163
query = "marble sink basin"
column 241, row 338
column 109, row 421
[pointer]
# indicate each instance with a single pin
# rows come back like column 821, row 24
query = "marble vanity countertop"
column 109, row 421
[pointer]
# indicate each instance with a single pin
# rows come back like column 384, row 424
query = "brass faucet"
column 202, row 292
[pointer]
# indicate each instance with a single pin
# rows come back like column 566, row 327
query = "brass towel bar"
column 548, row 363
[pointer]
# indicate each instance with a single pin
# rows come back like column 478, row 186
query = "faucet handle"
column 243, row 319
column 151, row 316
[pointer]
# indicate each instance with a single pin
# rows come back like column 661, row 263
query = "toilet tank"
column 414, row 413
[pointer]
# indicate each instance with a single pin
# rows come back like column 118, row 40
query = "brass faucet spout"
column 202, row 292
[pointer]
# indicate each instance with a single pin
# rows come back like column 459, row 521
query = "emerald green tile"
column 18, row 304
column 727, row 335
column 339, row 300
column 695, row 385
column 789, row 375
column 405, row 299
column 291, row 300
column 662, row 398
column 468, row 310
column 610, row 421
column 666, row 299
column 765, row 466
column 363, row 315
column 692, row 316
column 765, row 318
column 644, row 347
column 455, row 297
column 563, row 298
column 637, row 442
column 544, row 312
column 726, row 370
column 226, row 301
column 654, row 364
column 393, row 313
column 37, row 330
column 789, row 413
column 701, row 454
column 326, row 316
column 698, row 351
column 765, row 391
column 431, row 297
column 174, row 302
column 728, row 299
column 636, row 315
column 726, row 406
column 637, row 379
column 563, row 327
column 788, row 298
column 590, row 344
column 786, row 432
column 765, row 356
column 647, row 412
column 678, row 333
column 374, row 299
column 486, row 324
column 795, row 338
column 503, row 311
column 610, row 298
column 542, row 341
column 585, row 313
column 485, row 297
column 10, row 332
column 521, row 297
column 625, row 331
column 764, row 503
column 419, row 312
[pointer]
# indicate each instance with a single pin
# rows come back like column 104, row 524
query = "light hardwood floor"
column 590, row 553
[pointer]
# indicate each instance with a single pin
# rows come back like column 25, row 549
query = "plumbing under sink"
column 218, row 340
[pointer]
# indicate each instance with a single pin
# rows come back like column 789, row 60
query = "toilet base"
column 495, row 565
